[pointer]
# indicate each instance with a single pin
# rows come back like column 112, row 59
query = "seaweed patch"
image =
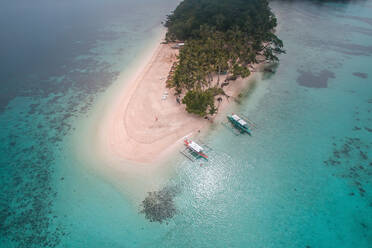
column 351, row 161
column 312, row 80
column 28, row 151
column 159, row 206
column 361, row 75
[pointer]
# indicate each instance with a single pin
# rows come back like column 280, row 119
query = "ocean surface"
column 303, row 179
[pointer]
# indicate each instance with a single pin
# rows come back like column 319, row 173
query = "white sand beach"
column 139, row 121
column 136, row 126
column 145, row 121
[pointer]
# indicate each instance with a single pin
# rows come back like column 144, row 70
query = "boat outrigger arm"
column 239, row 123
column 191, row 145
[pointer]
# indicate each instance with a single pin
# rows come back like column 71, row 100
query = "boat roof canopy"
column 235, row 117
column 195, row 146
column 239, row 120
column 242, row 122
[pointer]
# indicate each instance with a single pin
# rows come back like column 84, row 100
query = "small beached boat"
column 194, row 149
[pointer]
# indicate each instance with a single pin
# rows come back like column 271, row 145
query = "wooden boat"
column 239, row 123
column 195, row 149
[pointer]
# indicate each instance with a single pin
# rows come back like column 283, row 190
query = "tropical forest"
column 221, row 39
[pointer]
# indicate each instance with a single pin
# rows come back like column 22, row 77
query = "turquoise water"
column 302, row 180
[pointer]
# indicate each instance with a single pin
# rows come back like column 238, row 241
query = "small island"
column 190, row 72
column 220, row 39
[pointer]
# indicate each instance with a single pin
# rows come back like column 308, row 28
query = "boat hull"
column 199, row 154
column 237, row 125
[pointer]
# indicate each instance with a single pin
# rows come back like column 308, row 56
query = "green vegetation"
column 201, row 102
column 222, row 37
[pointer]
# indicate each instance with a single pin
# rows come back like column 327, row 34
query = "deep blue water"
column 302, row 180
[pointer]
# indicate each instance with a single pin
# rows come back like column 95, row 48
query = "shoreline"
column 90, row 144
column 140, row 127
column 146, row 123
column 131, row 127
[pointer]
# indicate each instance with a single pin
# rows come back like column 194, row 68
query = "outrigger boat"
column 239, row 123
column 194, row 149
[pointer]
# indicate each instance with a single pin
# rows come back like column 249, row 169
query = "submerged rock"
column 315, row 80
column 159, row 206
column 361, row 75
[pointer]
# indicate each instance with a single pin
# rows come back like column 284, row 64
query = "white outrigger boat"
column 193, row 149
column 239, row 124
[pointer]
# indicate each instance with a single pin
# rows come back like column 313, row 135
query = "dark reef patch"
column 29, row 146
column 361, row 75
column 350, row 159
column 312, row 80
column 159, row 206
column 341, row 47
column 364, row 225
column 360, row 30
column 270, row 70
column 368, row 129
column 357, row 18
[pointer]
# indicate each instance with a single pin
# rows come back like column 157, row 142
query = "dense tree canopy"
column 221, row 37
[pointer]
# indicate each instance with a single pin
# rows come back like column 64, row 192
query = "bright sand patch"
column 133, row 127
column 147, row 121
